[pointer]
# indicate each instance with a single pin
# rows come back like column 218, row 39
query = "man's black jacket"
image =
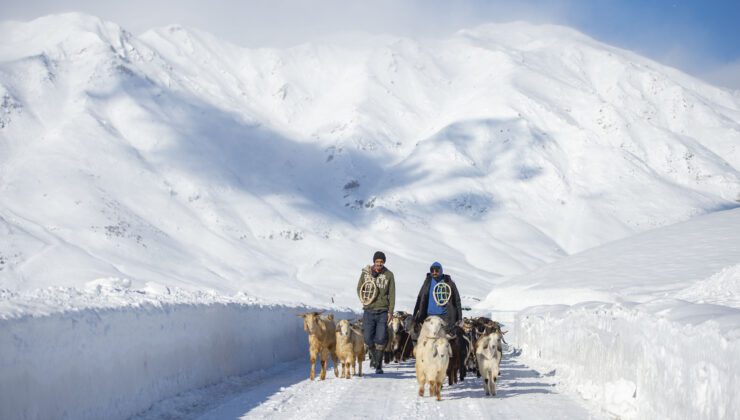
column 454, row 309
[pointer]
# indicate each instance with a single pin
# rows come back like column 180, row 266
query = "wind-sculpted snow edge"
column 116, row 362
column 663, row 359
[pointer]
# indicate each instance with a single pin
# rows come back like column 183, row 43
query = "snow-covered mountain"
column 696, row 261
column 175, row 161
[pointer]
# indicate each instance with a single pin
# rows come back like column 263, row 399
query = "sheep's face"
column 467, row 326
column 396, row 324
column 495, row 338
column 407, row 323
column 483, row 326
column 490, row 342
column 343, row 327
column 357, row 325
column 311, row 322
column 433, row 326
column 442, row 349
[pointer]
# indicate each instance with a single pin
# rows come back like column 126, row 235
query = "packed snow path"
column 523, row 393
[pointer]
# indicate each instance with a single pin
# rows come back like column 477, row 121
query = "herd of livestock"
column 439, row 351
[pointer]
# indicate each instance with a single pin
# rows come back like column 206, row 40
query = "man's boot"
column 371, row 353
column 379, row 361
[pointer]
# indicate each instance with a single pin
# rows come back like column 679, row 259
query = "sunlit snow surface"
column 645, row 327
column 171, row 179
column 176, row 160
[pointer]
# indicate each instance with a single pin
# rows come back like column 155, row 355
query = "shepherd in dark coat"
column 447, row 305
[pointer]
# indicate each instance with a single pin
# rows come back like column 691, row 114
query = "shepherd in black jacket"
column 447, row 302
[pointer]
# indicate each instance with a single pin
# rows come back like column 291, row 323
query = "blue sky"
column 699, row 37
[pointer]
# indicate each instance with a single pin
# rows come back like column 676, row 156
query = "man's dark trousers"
column 375, row 324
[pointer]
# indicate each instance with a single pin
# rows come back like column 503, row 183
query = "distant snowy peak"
column 65, row 35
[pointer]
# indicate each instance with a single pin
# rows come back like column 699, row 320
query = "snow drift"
column 659, row 360
column 113, row 363
column 664, row 340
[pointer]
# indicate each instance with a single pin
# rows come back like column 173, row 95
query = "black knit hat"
column 379, row 256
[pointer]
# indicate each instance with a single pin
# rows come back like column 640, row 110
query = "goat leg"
column 334, row 358
column 324, row 363
column 313, row 366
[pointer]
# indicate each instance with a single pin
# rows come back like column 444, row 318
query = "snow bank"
column 115, row 362
column 664, row 359
column 722, row 288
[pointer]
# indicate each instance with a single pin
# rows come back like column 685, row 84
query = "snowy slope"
column 691, row 260
column 175, row 160
column 157, row 191
column 644, row 327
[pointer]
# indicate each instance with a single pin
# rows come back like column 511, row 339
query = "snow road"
column 284, row 392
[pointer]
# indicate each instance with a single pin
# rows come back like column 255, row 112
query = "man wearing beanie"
column 377, row 312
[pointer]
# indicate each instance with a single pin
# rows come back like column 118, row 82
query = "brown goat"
column 322, row 341
column 350, row 348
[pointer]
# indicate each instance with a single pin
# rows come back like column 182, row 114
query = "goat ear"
column 504, row 332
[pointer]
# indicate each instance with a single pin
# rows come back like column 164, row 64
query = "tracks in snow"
column 284, row 392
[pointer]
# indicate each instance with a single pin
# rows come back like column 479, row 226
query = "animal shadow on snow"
column 516, row 379
column 391, row 370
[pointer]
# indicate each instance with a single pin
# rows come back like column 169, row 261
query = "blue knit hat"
column 436, row 265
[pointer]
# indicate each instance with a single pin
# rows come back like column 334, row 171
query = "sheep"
column 432, row 358
column 388, row 350
column 402, row 347
column 322, row 340
column 410, row 327
column 460, row 350
column 350, row 348
column 488, row 352
column 470, row 335
column 433, row 326
column 476, row 328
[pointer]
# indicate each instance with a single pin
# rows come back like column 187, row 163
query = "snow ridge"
column 173, row 157
column 173, row 179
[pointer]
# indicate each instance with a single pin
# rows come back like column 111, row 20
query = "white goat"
column 488, row 353
column 350, row 348
column 432, row 358
column 433, row 327
column 432, row 354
